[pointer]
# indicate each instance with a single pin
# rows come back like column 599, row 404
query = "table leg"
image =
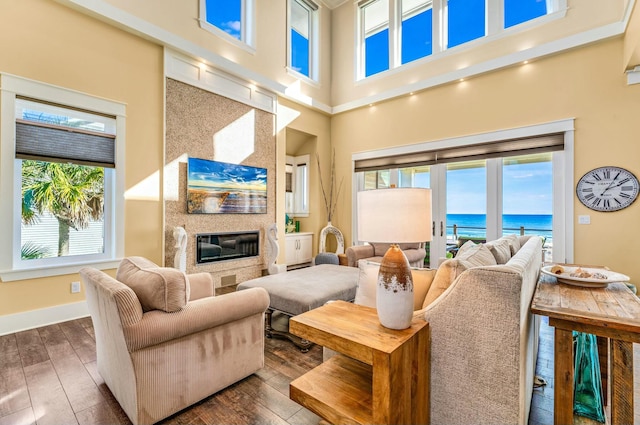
column 563, row 376
column 391, row 390
column 621, row 382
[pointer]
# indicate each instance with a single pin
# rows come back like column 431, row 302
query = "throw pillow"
column 368, row 283
column 467, row 246
column 478, row 255
column 500, row 249
column 422, row 281
column 157, row 288
column 448, row 271
column 514, row 243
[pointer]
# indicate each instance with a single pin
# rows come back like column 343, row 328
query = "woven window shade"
column 48, row 142
column 499, row 149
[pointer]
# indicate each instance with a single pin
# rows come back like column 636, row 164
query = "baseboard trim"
column 18, row 322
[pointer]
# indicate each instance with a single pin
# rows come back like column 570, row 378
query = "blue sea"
column 475, row 225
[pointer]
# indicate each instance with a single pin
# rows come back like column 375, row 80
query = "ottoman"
column 301, row 290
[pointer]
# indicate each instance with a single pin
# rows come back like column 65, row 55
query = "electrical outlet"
column 584, row 219
column 75, row 287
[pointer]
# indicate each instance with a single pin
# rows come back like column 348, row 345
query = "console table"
column 612, row 312
column 381, row 377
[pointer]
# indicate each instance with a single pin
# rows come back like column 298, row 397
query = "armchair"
column 374, row 252
column 164, row 342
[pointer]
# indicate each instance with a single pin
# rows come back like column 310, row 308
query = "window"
column 516, row 183
column 302, row 33
column 465, row 21
column 297, row 185
column 375, row 26
column 395, row 32
column 519, row 11
column 417, row 29
column 231, row 19
column 60, row 169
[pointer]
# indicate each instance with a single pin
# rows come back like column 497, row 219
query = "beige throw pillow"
column 368, row 283
column 500, row 249
column 478, row 255
column 157, row 288
column 448, row 271
column 514, row 243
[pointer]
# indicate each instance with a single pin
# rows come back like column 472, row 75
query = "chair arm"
column 200, row 285
column 358, row 252
column 158, row 326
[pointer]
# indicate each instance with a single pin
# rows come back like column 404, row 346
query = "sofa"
column 374, row 252
column 484, row 339
column 164, row 341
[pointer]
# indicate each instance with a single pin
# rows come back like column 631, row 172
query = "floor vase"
column 587, row 394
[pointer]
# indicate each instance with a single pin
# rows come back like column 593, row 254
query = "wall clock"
column 608, row 189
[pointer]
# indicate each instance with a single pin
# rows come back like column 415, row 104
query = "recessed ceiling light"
column 525, row 62
column 461, row 79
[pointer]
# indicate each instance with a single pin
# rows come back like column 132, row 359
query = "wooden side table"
column 381, row 377
column 612, row 312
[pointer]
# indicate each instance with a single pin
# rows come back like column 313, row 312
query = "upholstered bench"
column 301, row 290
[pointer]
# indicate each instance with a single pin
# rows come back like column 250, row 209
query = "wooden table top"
column 614, row 311
column 351, row 329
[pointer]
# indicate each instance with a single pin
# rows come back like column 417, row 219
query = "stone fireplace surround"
column 194, row 117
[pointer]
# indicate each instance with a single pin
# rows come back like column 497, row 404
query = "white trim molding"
column 633, row 76
column 18, row 322
column 199, row 74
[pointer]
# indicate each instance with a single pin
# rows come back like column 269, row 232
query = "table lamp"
column 395, row 215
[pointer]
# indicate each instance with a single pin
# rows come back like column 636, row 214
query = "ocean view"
column 475, row 225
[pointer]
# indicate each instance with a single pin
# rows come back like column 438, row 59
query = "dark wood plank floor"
column 49, row 376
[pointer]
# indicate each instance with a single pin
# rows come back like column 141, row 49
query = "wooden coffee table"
column 381, row 377
column 612, row 312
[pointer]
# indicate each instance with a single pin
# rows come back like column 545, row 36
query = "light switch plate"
column 584, row 219
column 75, row 287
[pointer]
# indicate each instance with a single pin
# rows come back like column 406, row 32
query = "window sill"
column 42, row 272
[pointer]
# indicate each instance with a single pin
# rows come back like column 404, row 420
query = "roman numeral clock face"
column 607, row 189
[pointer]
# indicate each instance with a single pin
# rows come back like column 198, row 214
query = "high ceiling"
column 332, row 4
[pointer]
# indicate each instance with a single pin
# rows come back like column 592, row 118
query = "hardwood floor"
column 49, row 376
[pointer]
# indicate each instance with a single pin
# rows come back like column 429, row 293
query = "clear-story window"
column 231, row 19
column 303, row 23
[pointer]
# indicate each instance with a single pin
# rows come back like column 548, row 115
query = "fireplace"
column 211, row 247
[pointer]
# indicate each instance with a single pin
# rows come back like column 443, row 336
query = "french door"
column 480, row 199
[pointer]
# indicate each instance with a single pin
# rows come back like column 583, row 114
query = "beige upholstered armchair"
column 163, row 340
column 374, row 252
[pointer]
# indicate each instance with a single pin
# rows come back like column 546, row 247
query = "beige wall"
column 318, row 127
column 270, row 56
column 582, row 15
column 44, row 41
column 585, row 83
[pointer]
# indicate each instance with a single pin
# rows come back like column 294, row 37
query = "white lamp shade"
column 396, row 215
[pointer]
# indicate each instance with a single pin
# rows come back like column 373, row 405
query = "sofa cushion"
column 514, row 243
column 500, row 249
column 368, row 283
column 157, row 288
column 476, row 255
column 448, row 271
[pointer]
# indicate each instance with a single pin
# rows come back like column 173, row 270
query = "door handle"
column 441, row 229
column 433, row 229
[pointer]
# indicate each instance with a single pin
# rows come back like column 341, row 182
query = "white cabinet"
column 298, row 248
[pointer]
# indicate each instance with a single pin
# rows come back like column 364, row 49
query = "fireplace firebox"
column 211, row 247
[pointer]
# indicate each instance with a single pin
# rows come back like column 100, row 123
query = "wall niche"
column 206, row 125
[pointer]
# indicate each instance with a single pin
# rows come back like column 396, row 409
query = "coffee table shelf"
column 383, row 375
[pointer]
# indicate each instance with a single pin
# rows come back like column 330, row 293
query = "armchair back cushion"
column 157, row 288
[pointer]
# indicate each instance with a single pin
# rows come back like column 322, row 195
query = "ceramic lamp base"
column 394, row 296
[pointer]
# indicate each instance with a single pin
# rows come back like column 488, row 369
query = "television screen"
column 221, row 188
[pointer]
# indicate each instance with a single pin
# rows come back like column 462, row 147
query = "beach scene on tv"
column 215, row 187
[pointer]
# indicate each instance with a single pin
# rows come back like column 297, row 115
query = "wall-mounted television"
column 215, row 187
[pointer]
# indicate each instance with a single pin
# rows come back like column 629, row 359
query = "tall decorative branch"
column 330, row 201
